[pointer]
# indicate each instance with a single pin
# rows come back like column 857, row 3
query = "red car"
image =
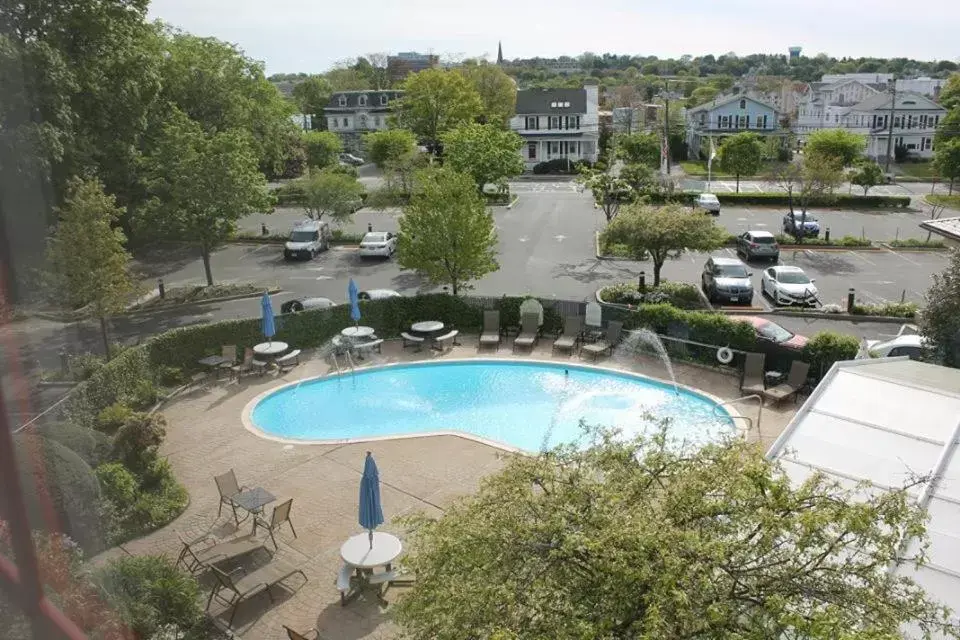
column 772, row 333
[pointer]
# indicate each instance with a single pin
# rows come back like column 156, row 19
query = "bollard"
column 369, row 227
column 903, row 296
column 851, row 299
column 161, row 289
column 826, row 235
column 642, row 282
column 64, row 363
column 263, row 229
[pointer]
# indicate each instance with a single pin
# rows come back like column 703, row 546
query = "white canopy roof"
column 887, row 421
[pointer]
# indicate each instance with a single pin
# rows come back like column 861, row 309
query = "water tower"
column 794, row 53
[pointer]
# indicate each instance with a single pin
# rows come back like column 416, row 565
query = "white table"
column 270, row 349
column 357, row 333
column 357, row 552
column 427, row 326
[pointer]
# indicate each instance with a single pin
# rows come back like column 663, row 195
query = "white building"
column 350, row 114
column 929, row 87
column 557, row 124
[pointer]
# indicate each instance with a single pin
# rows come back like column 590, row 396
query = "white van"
column 307, row 239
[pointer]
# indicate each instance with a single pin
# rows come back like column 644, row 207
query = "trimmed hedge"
column 117, row 380
column 828, row 347
column 679, row 294
column 837, row 201
column 845, row 241
column 890, row 309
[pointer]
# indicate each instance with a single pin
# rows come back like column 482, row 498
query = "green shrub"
column 111, row 418
column 84, row 365
column 917, row 243
column 113, row 382
column 828, row 347
column 118, row 485
column 890, row 309
column 145, row 395
column 170, row 376
column 149, row 593
column 339, row 236
column 161, row 499
column 138, row 440
column 839, row 201
column 557, row 165
column 92, row 446
column 682, row 295
column 845, row 241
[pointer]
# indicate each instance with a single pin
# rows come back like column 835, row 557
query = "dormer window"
column 743, row 104
column 383, row 99
column 553, row 105
column 343, row 101
column 363, row 101
column 566, row 104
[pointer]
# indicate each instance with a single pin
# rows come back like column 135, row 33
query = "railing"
column 749, row 420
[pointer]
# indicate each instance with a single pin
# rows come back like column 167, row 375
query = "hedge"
column 117, row 380
column 679, row 294
column 827, row 347
column 838, row 201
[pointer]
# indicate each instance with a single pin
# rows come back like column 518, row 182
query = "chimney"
column 593, row 97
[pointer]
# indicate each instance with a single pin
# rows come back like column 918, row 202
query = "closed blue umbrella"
column 266, row 322
column 371, row 512
column 354, row 296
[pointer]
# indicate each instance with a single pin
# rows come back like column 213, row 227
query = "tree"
column 742, row 155
column 485, row 152
column 88, row 262
column 946, row 159
column 867, row 174
column 641, row 538
column 949, row 127
column 839, row 144
column 662, row 232
column 639, row 177
column 312, row 96
column 330, row 192
column 388, row 145
column 348, row 79
column 435, row 101
column 640, row 148
column 446, row 232
column 323, row 148
column 609, row 191
column 815, row 176
column 950, row 93
column 940, row 318
column 702, row 95
column 200, row 184
column 497, row 91
column 373, row 67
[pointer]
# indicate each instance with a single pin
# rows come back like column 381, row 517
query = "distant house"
column 728, row 115
column 557, row 124
column 350, row 114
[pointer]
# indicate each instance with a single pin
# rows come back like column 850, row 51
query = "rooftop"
column 544, row 101
column 946, row 227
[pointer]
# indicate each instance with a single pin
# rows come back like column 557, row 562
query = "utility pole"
column 893, row 111
column 666, row 121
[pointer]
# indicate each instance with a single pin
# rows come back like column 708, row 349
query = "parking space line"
column 903, row 257
column 857, row 254
column 247, row 254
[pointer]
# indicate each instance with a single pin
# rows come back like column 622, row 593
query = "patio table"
column 357, row 333
column 358, row 554
column 214, row 364
column 270, row 349
column 429, row 329
column 253, row 500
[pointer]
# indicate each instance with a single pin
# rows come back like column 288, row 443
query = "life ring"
column 724, row 355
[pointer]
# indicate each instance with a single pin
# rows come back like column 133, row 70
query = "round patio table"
column 427, row 326
column 270, row 349
column 357, row 333
column 357, row 551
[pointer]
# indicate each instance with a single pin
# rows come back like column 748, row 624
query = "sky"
column 309, row 36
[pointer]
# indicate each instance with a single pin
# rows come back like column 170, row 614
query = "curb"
column 846, row 317
column 913, row 249
column 140, row 312
column 512, row 202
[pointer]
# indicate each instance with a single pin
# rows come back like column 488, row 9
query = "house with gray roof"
column 558, row 124
column 726, row 116
column 351, row 114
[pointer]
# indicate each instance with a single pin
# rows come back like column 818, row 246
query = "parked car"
column 352, row 160
column 305, row 304
column 708, row 202
column 772, row 334
column 378, row 244
column 753, row 245
column 379, row 294
column 726, row 280
column 788, row 286
column 796, row 224
column 907, row 342
column 307, row 239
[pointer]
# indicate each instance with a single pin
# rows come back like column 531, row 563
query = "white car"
column 708, row 202
column 302, row 304
column 907, row 342
column 378, row 244
column 788, row 286
column 379, row 294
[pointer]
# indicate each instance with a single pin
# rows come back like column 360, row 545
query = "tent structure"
column 888, row 421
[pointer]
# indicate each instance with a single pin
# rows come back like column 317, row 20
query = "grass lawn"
column 916, row 169
column 183, row 295
column 699, row 167
column 952, row 202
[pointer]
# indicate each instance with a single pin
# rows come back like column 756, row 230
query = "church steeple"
column 499, row 52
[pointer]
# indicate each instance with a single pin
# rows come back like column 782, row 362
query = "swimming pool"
column 525, row 405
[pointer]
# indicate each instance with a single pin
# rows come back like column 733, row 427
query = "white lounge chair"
column 491, row 329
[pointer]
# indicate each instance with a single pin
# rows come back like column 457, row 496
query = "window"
column 566, row 105
column 911, row 146
column 910, row 122
column 554, row 122
column 383, row 99
column 743, row 104
column 532, row 150
column 724, row 122
column 553, row 105
column 363, row 101
column 343, row 101
column 741, row 122
column 333, row 123
column 346, row 122
column 926, row 143
column 376, row 121
column 578, row 122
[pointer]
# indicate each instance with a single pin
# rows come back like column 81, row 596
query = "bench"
column 411, row 340
column 289, row 361
column 447, row 340
column 369, row 346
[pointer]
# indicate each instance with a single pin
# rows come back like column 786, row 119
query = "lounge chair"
column 294, row 635
column 289, row 361
column 281, row 514
column 529, row 331
column 572, row 326
column 412, row 340
column 447, row 340
column 229, row 488
column 752, row 380
column 244, row 367
column 607, row 343
column 593, row 320
column 491, row 329
column 196, row 557
column 229, row 352
column 248, row 585
column 795, row 379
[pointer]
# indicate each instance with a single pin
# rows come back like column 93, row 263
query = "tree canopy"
column 312, row 95
column 435, row 101
column 867, row 174
column 330, row 192
column 940, row 318
column 840, row 145
column 497, row 91
column 742, row 155
column 446, row 231
column 950, row 93
column 661, row 232
column 640, row 148
column 609, row 191
column 323, row 148
column 946, row 159
column 641, row 538
column 485, row 152
column 389, row 145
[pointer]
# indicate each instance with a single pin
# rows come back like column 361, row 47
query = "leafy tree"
column 137, row 441
column 446, row 232
column 400, row 176
column 388, row 145
column 348, row 79
column 609, row 191
column 663, row 232
column 867, row 174
column 640, row 148
column 838, row 144
column 940, row 318
column 702, row 95
column 330, row 192
column 497, row 91
column 642, row 539
column 815, row 176
column 88, row 264
column 323, row 148
column 435, row 101
column 950, row 93
column 485, row 152
column 200, row 184
column 742, row 155
column 946, row 159
column 373, row 67
column 639, row 177
column 312, row 96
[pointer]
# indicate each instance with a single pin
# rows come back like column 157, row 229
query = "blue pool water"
column 526, row 405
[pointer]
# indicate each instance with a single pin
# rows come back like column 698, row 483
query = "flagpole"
column 710, row 166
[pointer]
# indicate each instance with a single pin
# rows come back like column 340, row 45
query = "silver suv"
column 727, row 280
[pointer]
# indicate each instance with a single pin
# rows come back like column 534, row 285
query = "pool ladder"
column 753, row 396
column 336, row 363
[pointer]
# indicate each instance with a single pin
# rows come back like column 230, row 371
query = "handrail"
column 749, row 420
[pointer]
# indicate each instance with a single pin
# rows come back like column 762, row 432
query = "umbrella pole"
column 371, row 538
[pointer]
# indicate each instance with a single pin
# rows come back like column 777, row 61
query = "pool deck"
column 205, row 437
